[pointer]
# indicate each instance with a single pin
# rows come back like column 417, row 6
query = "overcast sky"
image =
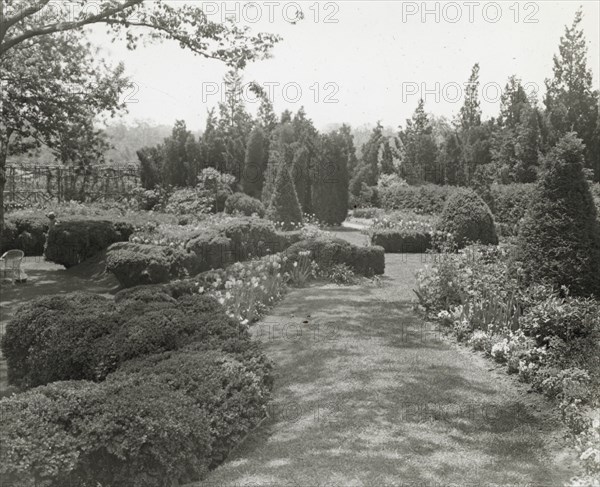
column 359, row 62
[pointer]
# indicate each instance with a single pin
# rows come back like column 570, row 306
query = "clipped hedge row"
column 70, row 242
column 135, row 264
column 87, row 336
column 398, row 241
column 183, row 384
column 429, row 199
column 328, row 252
column 232, row 241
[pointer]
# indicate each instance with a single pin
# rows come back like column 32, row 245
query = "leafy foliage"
column 560, row 237
column 468, row 219
column 284, row 207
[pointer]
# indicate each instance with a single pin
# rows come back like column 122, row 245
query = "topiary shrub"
column 559, row 239
column 399, row 241
column 135, row 264
column 73, row 241
column 328, row 252
column 84, row 336
column 284, row 208
column 139, row 433
column 468, row 218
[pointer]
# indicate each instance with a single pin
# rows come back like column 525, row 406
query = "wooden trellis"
column 36, row 184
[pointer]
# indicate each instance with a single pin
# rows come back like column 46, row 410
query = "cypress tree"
column 559, row 238
column 255, row 163
column 285, row 207
column 330, row 188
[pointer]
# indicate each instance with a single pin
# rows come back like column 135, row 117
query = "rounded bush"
column 244, row 204
column 223, row 388
column 469, row 219
column 328, row 252
column 122, row 432
column 85, row 336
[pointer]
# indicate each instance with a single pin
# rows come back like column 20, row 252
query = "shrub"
column 192, row 201
column 255, row 163
column 328, row 252
column 284, row 207
column 367, row 212
column 223, row 389
column 244, row 204
column 429, row 198
column 560, row 237
column 511, row 202
column 568, row 318
column 82, row 336
column 25, row 230
column 122, row 432
column 468, row 218
column 330, row 186
column 394, row 240
column 71, row 242
column 135, row 264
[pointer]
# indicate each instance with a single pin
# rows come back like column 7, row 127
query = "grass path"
column 365, row 396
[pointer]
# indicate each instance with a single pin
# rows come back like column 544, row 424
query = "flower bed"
column 548, row 338
column 403, row 232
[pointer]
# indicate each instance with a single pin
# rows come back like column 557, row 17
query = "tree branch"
column 63, row 26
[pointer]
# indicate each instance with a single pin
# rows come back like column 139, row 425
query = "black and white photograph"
column 304, row 243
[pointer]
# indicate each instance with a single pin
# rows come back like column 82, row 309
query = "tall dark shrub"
column 255, row 163
column 559, row 239
column 284, row 207
column 330, row 189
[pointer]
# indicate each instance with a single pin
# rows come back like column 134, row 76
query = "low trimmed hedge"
column 397, row 241
column 233, row 240
column 135, row 264
column 328, row 252
column 86, row 336
column 71, row 242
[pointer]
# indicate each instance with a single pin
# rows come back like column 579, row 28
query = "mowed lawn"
column 366, row 395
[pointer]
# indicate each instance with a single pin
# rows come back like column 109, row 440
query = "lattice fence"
column 30, row 185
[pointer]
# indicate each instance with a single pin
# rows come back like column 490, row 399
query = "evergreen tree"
column 571, row 100
column 451, row 161
column 284, row 208
column 559, row 238
column 181, row 157
column 235, row 124
column 330, row 189
column 301, row 174
column 419, row 162
column 367, row 171
column 212, row 146
column 470, row 113
column 255, row 163
column 516, row 142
